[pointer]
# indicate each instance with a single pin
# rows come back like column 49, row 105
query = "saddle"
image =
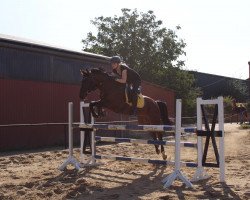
column 140, row 99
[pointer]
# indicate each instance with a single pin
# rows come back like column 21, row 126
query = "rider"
column 128, row 76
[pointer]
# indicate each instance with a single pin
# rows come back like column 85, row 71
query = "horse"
column 240, row 111
column 112, row 97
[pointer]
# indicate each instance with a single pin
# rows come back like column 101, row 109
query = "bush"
column 227, row 104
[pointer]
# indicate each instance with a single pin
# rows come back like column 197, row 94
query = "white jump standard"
column 71, row 159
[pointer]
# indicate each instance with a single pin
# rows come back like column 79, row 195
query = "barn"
column 215, row 85
column 37, row 81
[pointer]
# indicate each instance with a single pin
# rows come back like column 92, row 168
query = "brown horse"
column 112, row 96
column 240, row 111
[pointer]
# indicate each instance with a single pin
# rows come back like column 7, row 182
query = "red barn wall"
column 30, row 102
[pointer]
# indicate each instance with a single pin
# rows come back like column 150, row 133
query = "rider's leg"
column 134, row 103
column 129, row 93
column 135, row 91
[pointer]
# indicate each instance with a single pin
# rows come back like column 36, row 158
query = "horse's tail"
column 164, row 113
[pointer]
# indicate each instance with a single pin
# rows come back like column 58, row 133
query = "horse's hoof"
column 157, row 151
column 164, row 156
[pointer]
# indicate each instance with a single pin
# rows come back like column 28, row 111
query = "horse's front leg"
column 95, row 108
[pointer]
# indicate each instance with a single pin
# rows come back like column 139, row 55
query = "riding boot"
column 134, row 104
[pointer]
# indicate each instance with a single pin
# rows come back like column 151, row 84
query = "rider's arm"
column 123, row 79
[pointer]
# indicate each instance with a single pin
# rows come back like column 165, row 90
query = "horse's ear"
column 83, row 72
column 88, row 71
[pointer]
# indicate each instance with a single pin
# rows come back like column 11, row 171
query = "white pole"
column 93, row 142
column 178, row 135
column 199, row 138
column 200, row 173
column 70, row 127
column 221, row 139
column 177, row 174
column 85, row 160
column 82, row 133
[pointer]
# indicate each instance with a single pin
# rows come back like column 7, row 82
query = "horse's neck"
column 112, row 88
column 112, row 97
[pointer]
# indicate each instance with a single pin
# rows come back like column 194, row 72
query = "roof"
column 214, row 75
column 31, row 43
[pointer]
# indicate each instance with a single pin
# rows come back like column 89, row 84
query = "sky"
column 217, row 32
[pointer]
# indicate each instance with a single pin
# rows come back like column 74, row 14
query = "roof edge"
column 32, row 43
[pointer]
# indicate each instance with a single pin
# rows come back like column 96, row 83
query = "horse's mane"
column 102, row 71
column 99, row 70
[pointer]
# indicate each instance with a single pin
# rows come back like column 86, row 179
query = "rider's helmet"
column 115, row 59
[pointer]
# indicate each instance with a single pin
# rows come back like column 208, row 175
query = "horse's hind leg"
column 143, row 120
column 156, row 146
column 246, row 116
column 241, row 118
column 160, row 138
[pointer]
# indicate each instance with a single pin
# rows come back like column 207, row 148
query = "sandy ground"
column 35, row 175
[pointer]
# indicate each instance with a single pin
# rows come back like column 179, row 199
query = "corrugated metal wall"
column 36, row 84
column 24, row 102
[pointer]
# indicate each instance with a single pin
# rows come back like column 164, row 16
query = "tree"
column 152, row 50
column 238, row 89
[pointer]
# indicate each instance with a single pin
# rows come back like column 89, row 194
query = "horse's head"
column 91, row 80
column 87, row 85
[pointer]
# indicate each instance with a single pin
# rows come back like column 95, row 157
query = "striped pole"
column 134, row 127
column 140, row 141
column 145, row 161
